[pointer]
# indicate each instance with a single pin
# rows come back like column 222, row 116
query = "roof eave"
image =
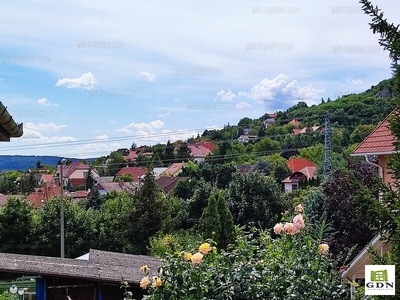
column 373, row 153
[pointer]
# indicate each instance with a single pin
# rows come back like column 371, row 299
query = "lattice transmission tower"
column 327, row 149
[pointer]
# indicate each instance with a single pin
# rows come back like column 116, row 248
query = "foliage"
column 266, row 145
column 279, row 168
column 254, row 198
column 117, row 162
column 294, row 266
column 262, row 166
column 127, row 177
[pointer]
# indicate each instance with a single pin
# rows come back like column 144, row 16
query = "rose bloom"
column 197, row 258
column 278, row 228
column 323, row 249
column 205, row 248
column 144, row 268
column 298, row 208
column 156, row 281
column 289, row 228
column 187, row 256
column 144, row 282
column 298, row 223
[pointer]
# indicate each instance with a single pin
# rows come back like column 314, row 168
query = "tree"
column 266, row 145
column 183, row 152
column 149, row 214
column 39, row 165
column 16, row 222
column 89, row 182
column 254, row 198
column 127, row 177
column 262, row 166
column 117, row 162
column 133, row 146
column 169, row 153
column 94, row 200
column 279, row 167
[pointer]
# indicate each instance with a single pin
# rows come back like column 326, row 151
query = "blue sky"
column 88, row 77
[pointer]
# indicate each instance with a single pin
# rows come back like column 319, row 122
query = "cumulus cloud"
column 42, row 126
column 151, row 127
column 281, row 89
column 225, row 96
column 242, row 105
column 147, row 76
column 35, row 136
column 354, row 81
column 86, row 82
column 43, row 101
column 167, row 114
column 102, row 137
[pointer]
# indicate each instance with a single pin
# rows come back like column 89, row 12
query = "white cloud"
column 280, row 88
column 354, row 81
column 86, row 81
column 225, row 96
column 151, row 127
column 43, row 101
column 35, row 136
column 242, row 105
column 147, row 76
column 102, row 137
column 42, row 126
column 176, row 99
column 167, row 114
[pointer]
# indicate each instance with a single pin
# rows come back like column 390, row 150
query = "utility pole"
column 62, row 229
column 327, row 149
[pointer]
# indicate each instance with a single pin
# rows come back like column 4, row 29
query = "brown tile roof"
column 108, row 187
column 173, row 169
column 380, row 141
column 199, row 151
column 168, row 183
column 136, row 172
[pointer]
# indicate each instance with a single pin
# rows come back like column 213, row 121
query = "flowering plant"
column 295, row 265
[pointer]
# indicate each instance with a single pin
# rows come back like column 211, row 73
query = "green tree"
column 361, row 132
column 254, row 198
column 210, row 221
column 89, row 182
column 127, row 177
column 266, row 145
column 279, row 167
column 149, row 214
column 262, row 166
column 183, row 153
column 117, row 161
column 16, row 220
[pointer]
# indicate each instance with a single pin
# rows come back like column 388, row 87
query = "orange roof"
column 380, row 141
column 173, row 169
column 296, row 164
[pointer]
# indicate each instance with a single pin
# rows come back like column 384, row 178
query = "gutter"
column 7, row 122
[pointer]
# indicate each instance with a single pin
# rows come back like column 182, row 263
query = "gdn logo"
column 379, row 280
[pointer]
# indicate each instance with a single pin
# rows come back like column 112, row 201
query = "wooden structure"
column 96, row 276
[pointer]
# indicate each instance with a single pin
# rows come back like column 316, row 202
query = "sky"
column 88, row 77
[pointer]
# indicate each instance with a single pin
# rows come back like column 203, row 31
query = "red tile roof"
column 199, row 151
column 43, row 194
column 296, row 164
column 380, row 141
column 72, row 167
column 173, row 169
column 136, row 172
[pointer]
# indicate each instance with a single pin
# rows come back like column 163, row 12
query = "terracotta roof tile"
column 379, row 141
column 296, row 164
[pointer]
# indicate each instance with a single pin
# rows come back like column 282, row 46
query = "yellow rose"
column 323, row 249
column 197, row 258
column 157, row 281
column 144, row 282
column 144, row 268
column 187, row 256
column 205, row 248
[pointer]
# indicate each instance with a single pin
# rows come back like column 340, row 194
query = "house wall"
column 387, row 177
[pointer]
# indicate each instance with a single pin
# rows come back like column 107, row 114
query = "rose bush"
column 295, row 265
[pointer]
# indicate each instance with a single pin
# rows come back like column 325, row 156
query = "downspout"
column 380, row 168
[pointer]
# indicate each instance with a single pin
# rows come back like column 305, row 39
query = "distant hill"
column 25, row 162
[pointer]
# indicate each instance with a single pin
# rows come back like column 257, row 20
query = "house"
column 376, row 148
column 96, row 275
column 356, row 268
column 4, row 198
column 295, row 123
column 208, row 144
column 120, row 186
column 44, row 193
column 75, row 173
column 43, row 178
column 198, row 152
column 269, row 119
column 247, row 138
column 136, row 172
column 311, row 129
column 173, row 170
column 302, row 169
column 166, row 184
column 8, row 127
column 296, row 131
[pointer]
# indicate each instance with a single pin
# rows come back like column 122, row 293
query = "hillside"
column 24, row 162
